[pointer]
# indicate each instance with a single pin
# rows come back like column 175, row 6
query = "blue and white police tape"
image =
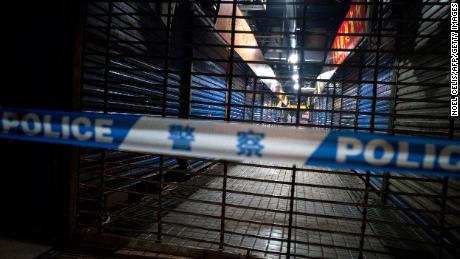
column 236, row 141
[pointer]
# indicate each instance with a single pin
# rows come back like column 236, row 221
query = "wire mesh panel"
column 362, row 65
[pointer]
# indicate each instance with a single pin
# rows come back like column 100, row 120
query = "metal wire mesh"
column 384, row 68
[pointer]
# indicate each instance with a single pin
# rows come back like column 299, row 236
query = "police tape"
column 235, row 141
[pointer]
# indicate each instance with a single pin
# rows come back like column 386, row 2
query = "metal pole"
column 228, row 101
column 291, row 212
column 166, row 63
column 378, row 10
column 160, row 200
column 102, row 210
column 364, row 218
column 302, row 58
column 222, row 215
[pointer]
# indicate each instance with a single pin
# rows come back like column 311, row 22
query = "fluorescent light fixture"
column 324, row 76
column 293, row 43
column 295, row 77
column 293, row 58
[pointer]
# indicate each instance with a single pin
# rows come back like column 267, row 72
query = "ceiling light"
column 296, row 86
column 295, row 77
column 293, row 43
column 293, row 58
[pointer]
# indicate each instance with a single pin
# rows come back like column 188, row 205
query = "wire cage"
column 361, row 65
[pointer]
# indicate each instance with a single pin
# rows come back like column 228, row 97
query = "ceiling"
column 322, row 20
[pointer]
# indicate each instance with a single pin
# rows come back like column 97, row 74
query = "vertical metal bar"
column 184, row 50
column 301, row 61
column 74, row 166
column 394, row 94
column 291, row 211
column 364, row 218
column 342, row 83
column 160, row 200
column 253, row 98
column 445, row 185
column 385, row 188
column 217, row 11
column 230, row 68
column 378, row 11
column 262, row 101
column 186, row 66
column 101, row 192
column 222, row 215
column 333, row 104
column 341, row 104
column 166, row 62
column 358, row 91
column 107, row 56
column 102, row 209
column 246, row 83
column 326, row 113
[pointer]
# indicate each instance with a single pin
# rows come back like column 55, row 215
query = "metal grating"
column 197, row 59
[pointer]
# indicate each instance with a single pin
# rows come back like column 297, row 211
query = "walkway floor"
column 259, row 234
